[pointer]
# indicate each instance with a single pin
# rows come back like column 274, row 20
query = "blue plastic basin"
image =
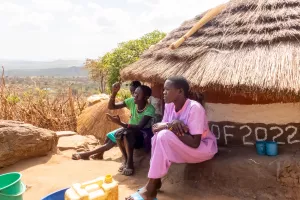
column 58, row 195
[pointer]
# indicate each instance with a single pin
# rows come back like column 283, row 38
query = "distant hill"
column 20, row 64
column 63, row 72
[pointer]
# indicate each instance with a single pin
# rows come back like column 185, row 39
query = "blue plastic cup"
column 261, row 147
column 271, row 148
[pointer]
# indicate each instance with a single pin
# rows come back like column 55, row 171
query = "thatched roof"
column 93, row 121
column 252, row 48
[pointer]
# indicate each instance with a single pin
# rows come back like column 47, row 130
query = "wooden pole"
column 206, row 18
column 72, row 109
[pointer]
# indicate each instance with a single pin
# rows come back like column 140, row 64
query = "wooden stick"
column 73, row 115
column 206, row 18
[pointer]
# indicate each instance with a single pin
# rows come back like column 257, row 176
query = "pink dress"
column 167, row 148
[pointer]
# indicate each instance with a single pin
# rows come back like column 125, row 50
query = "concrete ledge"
column 240, row 172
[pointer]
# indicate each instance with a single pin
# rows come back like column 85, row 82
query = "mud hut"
column 246, row 62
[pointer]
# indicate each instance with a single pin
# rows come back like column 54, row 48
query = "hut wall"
column 244, row 98
column 157, row 92
column 235, row 124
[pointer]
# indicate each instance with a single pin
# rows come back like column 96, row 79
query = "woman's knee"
column 120, row 140
column 164, row 134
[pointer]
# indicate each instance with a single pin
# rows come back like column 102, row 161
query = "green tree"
column 97, row 72
column 127, row 53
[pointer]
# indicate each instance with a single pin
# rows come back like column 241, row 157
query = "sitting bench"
column 239, row 172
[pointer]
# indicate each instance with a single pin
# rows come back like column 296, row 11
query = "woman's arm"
column 111, row 104
column 139, row 126
column 190, row 140
column 114, row 106
column 159, row 127
column 163, row 124
column 197, row 126
column 182, row 132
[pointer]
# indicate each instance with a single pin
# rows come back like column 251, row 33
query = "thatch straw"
column 251, row 48
column 93, row 120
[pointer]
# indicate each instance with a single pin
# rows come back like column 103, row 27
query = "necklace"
column 140, row 111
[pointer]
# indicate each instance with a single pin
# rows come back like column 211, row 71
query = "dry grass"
column 250, row 49
column 93, row 120
column 40, row 109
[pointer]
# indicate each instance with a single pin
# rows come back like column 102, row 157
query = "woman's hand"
column 115, row 88
column 158, row 127
column 178, row 127
column 116, row 119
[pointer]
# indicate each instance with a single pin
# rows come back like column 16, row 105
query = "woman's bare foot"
column 129, row 169
column 128, row 172
column 149, row 192
column 158, row 186
column 122, row 167
column 78, row 156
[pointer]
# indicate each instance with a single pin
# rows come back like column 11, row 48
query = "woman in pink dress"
column 183, row 136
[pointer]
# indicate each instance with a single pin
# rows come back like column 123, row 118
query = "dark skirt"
column 136, row 139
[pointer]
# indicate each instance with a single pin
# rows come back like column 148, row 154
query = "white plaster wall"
column 277, row 113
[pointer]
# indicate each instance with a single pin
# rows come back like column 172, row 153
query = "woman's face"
column 132, row 90
column 138, row 95
column 170, row 92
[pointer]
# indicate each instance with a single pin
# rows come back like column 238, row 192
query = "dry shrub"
column 93, row 120
column 41, row 109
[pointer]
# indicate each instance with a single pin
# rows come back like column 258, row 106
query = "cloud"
column 52, row 29
column 168, row 14
column 109, row 16
column 146, row 2
column 8, row 7
column 22, row 18
column 84, row 24
column 134, row 1
column 113, row 22
column 53, row 5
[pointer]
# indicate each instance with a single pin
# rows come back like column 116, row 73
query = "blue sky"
column 79, row 29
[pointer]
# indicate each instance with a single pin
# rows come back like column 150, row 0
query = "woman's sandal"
column 137, row 196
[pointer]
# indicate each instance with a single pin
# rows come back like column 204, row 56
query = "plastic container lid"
column 108, row 179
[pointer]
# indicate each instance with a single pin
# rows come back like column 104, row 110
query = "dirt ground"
column 47, row 174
